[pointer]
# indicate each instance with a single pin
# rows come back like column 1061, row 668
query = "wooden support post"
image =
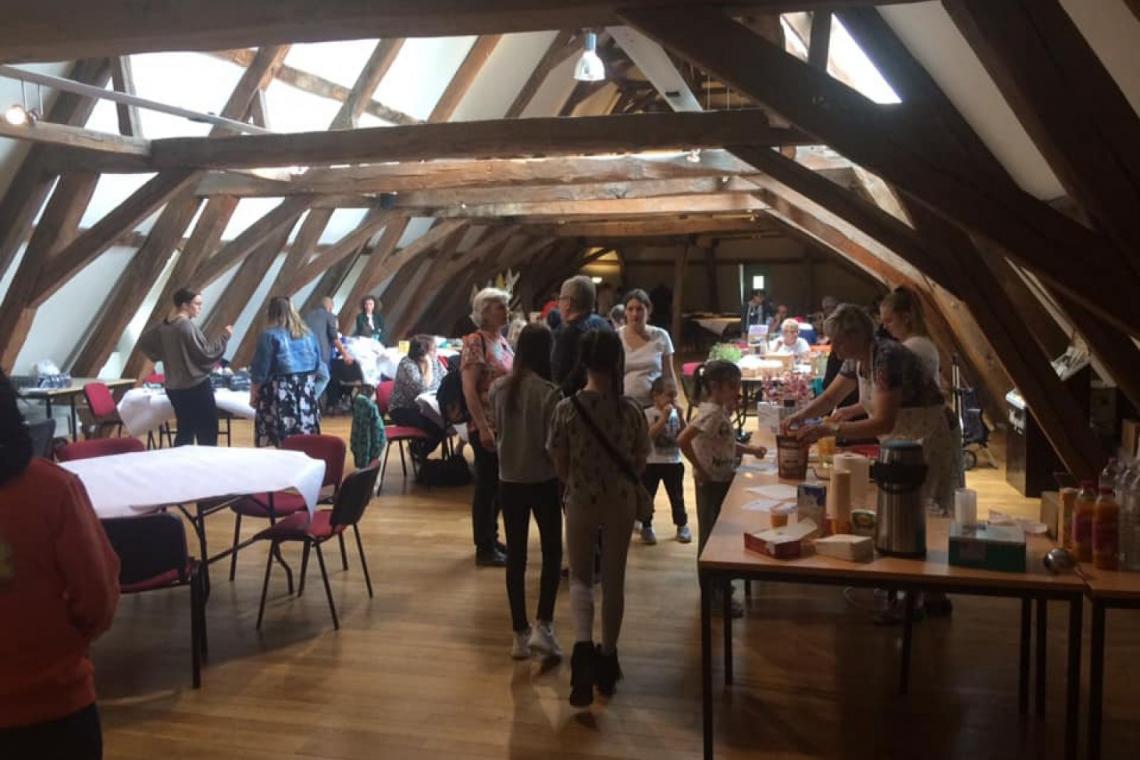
column 32, row 182
column 820, row 45
column 58, row 225
column 679, row 290
column 895, row 144
column 123, row 80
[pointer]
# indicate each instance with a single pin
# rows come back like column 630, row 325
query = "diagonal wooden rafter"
column 561, row 48
column 1068, row 103
column 59, row 224
column 31, row 183
column 133, row 285
column 352, row 242
column 324, row 88
column 367, row 281
column 123, row 79
column 1114, row 349
column 360, row 97
column 285, row 214
column 464, row 77
column 894, row 143
column 819, row 46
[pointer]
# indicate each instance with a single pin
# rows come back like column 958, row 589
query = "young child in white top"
column 664, row 463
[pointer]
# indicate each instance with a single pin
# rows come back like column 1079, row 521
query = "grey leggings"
column 583, row 522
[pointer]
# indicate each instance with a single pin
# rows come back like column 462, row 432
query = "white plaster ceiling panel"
column 342, row 222
column 421, row 72
column 504, row 74
column 248, row 211
column 339, row 61
column 110, row 191
column 1113, row 31
column 931, row 36
column 553, row 91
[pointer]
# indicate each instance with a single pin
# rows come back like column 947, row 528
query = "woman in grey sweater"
column 522, row 403
column 187, row 358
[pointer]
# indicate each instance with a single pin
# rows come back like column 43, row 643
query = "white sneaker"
column 684, row 535
column 637, row 526
column 520, row 649
column 647, row 535
column 542, row 639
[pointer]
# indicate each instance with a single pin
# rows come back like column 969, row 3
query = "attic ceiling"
column 427, row 159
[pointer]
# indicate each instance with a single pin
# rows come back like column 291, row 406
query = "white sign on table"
column 123, row 485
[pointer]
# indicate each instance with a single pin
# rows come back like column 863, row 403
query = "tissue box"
column 846, row 546
column 781, row 543
column 989, row 547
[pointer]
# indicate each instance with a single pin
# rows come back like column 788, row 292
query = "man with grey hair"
column 576, row 304
column 323, row 322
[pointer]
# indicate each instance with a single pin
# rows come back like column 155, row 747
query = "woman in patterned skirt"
column 286, row 372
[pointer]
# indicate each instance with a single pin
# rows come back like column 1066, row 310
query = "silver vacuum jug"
column 900, row 529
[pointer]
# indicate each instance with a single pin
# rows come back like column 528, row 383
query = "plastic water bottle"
column 1130, row 522
column 1110, row 474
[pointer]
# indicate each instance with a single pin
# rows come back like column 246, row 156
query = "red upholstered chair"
column 98, row 447
column 272, row 506
column 397, row 434
column 690, row 372
column 351, row 501
column 152, row 556
column 103, row 410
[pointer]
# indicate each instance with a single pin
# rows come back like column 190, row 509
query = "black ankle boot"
column 607, row 672
column 582, row 674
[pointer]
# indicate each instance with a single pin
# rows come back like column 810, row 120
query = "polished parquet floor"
column 423, row 671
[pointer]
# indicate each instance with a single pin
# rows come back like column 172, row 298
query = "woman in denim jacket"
column 286, row 371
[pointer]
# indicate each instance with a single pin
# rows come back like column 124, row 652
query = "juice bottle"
column 1082, row 521
column 1106, row 531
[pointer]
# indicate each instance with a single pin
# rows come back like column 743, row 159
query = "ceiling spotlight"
column 17, row 115
column 590, row 67
column 694, row 156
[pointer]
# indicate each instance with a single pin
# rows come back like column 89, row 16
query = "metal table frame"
column 1100, row 606
column 711, row 578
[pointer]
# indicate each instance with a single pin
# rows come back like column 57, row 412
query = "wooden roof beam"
column 894, row 143
column 561, row 47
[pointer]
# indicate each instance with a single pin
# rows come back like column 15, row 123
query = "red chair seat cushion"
column 162, row 580
column 257, row 505
column 403, row 432
column 298, row 527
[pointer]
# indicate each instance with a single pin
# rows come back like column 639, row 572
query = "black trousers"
column 485, row 503
column 197, row 414
column 519, row 501
column 673, row 475
column 415, row 418
column 73, row 737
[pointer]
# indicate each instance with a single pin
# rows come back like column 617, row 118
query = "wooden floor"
column 423, row 671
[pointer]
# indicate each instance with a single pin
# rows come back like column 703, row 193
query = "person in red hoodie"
column 59, row 585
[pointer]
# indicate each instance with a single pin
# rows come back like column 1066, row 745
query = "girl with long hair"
column 601, row 495
column 285, row 371
column 522, row 404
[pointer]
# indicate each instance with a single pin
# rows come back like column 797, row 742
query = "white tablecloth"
column 128, row 484
column 378, row 361
column 429, row 407
column 717, row 325
column 143, row 410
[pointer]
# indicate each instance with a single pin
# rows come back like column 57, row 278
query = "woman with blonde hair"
column 285, row 371
column 486, row 357
column 902, row 316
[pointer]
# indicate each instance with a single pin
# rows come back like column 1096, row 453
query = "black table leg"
column 1042, row 651
column 1023, row 660
column 1073, row 680
column 199, row 523
column 74, row 420
column 908, row 630
column 1096, row 679
column 726, row 593
column 706, row 667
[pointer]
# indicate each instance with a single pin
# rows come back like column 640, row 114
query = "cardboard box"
column 1050, row 513
column 781, row 543
column 847, row 547
column 989, row 547
column 811, row 504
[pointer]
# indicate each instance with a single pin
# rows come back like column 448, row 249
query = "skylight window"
column 848, row 63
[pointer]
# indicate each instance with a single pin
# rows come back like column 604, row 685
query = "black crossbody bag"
column 644, row 500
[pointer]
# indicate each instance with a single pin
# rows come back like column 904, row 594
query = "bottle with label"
column 1130, row 523
column 1109, row 474
column 1106, row 531
column 1082, row 521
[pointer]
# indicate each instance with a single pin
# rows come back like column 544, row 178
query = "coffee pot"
column 900, row 472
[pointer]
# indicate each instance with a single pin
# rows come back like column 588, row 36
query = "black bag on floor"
column 450, row 472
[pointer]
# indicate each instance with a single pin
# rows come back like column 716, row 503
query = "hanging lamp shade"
column 590, row 67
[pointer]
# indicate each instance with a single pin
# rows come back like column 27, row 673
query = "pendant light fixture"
column 590, row 67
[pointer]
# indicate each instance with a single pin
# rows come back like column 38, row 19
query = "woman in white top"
column 901, row 315
column 790, row 341
column 648, row 349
